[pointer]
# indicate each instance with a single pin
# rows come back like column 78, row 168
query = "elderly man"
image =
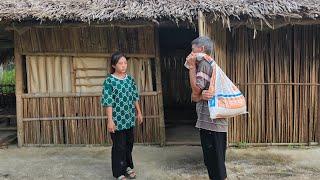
column 213, row 132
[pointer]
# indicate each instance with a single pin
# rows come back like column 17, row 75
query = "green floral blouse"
column 120, row 94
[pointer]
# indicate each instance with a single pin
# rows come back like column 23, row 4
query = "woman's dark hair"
column 115, row 59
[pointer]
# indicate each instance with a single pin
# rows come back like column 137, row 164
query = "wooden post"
column 201, row 24
column 19, row 91
column 159, row 89
column 318, row 119
column 212, row 30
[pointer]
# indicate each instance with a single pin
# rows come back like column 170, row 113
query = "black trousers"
column 214, row 146
column 122, row 151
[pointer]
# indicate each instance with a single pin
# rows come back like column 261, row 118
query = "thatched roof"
column 265, row 11
column 97, row 10
column 176, row 10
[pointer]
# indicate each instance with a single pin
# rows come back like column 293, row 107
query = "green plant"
column 7, row 78
column 242, row 145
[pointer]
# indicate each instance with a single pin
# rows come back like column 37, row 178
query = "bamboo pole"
column 279, row 84
column 250, row 93
column 187, row 143
column 57, row 95
column 312, row 74
column 73, row 75
column 79, row 118
column 28, row 66
column 290, row 89
column 101, row 55
column 273, row 90
column 317, row 106
column 305, row 90
column 296, row 79
column 26, row 114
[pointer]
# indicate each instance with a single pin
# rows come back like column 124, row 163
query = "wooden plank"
column 159, row 89
column 19, row 91
column 91, row 77
column 8, row 128
column 7, row 116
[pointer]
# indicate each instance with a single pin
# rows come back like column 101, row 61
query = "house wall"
column 278, row 72
column 65, row 70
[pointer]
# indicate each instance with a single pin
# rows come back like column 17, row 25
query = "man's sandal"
column 131, row 174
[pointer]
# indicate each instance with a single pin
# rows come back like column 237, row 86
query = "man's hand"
column 191, row 59
column 206, row 95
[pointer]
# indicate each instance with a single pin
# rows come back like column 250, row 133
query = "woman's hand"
column 111, row 126
column 140, row 118
column 139, row 114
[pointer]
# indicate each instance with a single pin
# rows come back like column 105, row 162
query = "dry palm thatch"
column 175, row 10
column 96, row 10
column 265, row 11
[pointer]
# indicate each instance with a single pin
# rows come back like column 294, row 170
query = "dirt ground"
column 156, row 163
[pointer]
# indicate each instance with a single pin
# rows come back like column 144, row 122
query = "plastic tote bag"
column 227, row 101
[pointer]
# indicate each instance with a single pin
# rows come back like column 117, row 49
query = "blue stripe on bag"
column 212, row 101
column 229, row 95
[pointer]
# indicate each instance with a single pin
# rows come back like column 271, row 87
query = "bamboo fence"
column 74, row 118
column 278, row 72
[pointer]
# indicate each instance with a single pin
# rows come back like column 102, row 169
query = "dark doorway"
column 179, row 111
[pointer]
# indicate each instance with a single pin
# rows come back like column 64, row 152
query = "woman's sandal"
column 131, row 174
column 122, row 178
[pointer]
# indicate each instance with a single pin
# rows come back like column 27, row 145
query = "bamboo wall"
column 278, row 72
column 130, row 40
column 175, row 76
column 80, row 119
column 78, row 58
